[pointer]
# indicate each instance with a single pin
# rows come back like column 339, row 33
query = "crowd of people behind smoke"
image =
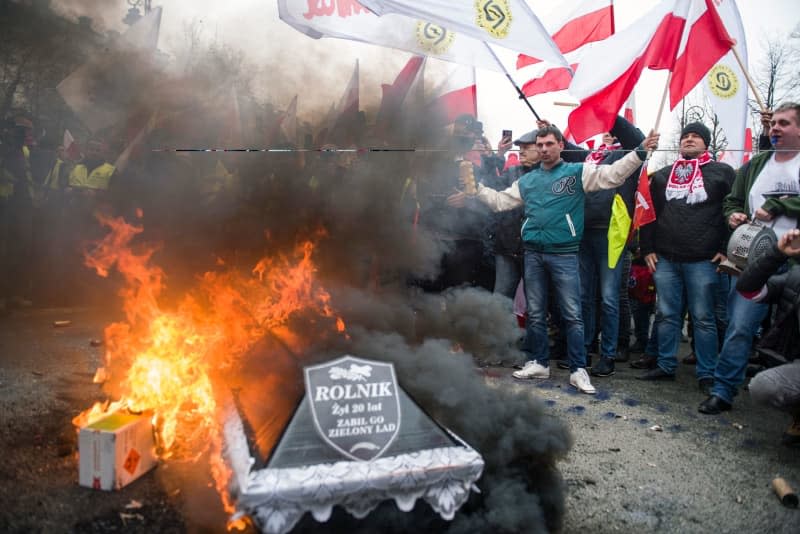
column 534, row 225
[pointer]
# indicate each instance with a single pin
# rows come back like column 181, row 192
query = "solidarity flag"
column 725, row 86
column 347, row 19
column 507, row 23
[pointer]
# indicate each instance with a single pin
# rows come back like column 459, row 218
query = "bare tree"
column 776, row 74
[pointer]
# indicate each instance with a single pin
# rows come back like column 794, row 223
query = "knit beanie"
column 697, row 128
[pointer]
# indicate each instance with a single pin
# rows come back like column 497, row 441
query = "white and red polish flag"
column 347, row 19
column 704, row 42
column 457, row 95
column 507, row 23
column 590, row 21
column 630, row 109
column 612, row 67
column 72, row 151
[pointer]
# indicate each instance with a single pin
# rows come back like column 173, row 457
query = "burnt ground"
column 697, row 474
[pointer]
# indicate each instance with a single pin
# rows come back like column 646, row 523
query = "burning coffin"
column 355, row 440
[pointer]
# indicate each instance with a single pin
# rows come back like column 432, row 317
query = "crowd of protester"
column 535, row 224
column 671, row 267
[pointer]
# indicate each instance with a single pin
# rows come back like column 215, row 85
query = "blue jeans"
column 562, row 269
column 595, row 272
column 744, row 318
column 699, row 280
column 721, row 305
column 507, row 272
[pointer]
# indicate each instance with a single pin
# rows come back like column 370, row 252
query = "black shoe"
column 647, row 361
column 691, row 359
column 656, row 374
column 705, row 385
column 713, row 405
column 623, row 355
column 637, row 348
column 604, row 367
column 562, row 364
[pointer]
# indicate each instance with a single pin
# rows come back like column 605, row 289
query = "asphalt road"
column 697, row 473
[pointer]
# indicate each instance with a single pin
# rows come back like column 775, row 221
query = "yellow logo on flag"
column 433, row 38
column 723, row 82
column 494, row 16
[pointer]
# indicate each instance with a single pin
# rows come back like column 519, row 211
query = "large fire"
column 173, row 360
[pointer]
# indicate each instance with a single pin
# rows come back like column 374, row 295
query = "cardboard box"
column 115, row 451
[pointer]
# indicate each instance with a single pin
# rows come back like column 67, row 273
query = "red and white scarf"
column 686, row 180
column 596, row 156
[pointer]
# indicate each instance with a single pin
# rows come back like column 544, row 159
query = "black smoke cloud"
column 211, row 209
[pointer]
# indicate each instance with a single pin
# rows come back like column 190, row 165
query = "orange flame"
column 171, row 361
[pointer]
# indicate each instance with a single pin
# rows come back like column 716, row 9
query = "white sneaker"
column 580, row 380
column 532, row 369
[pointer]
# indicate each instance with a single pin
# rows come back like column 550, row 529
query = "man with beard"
column 753, row 198
column 682, row 248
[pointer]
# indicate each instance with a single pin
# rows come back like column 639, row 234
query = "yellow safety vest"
column 53, row 178
column 80, row 177
column 7, row 180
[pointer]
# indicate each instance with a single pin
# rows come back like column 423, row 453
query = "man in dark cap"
column 505, row 237
column 682, row 248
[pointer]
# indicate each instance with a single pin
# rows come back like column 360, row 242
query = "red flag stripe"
column 596, row 113
column 458, row 102
column 707, row 42
column 644, row 212
column 393, row 95
column 554, row 79
column 593, row 26
column 748, row 145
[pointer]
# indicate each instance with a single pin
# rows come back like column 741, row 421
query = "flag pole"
column 749, row 79
column 510, row 79
column 663, row 102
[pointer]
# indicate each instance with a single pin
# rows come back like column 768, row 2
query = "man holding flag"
column 552, row 196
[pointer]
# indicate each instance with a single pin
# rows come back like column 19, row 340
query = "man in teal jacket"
column 552, row 195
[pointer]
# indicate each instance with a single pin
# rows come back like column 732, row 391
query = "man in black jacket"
column 681, row 249
column 779, row 386
column 595, row 271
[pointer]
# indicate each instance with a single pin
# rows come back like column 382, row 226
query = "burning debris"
column 237, row 270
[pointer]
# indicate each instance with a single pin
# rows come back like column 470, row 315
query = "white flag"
column 507, row 23
column 726, row 86
column 101, row 91
column 352, row 21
